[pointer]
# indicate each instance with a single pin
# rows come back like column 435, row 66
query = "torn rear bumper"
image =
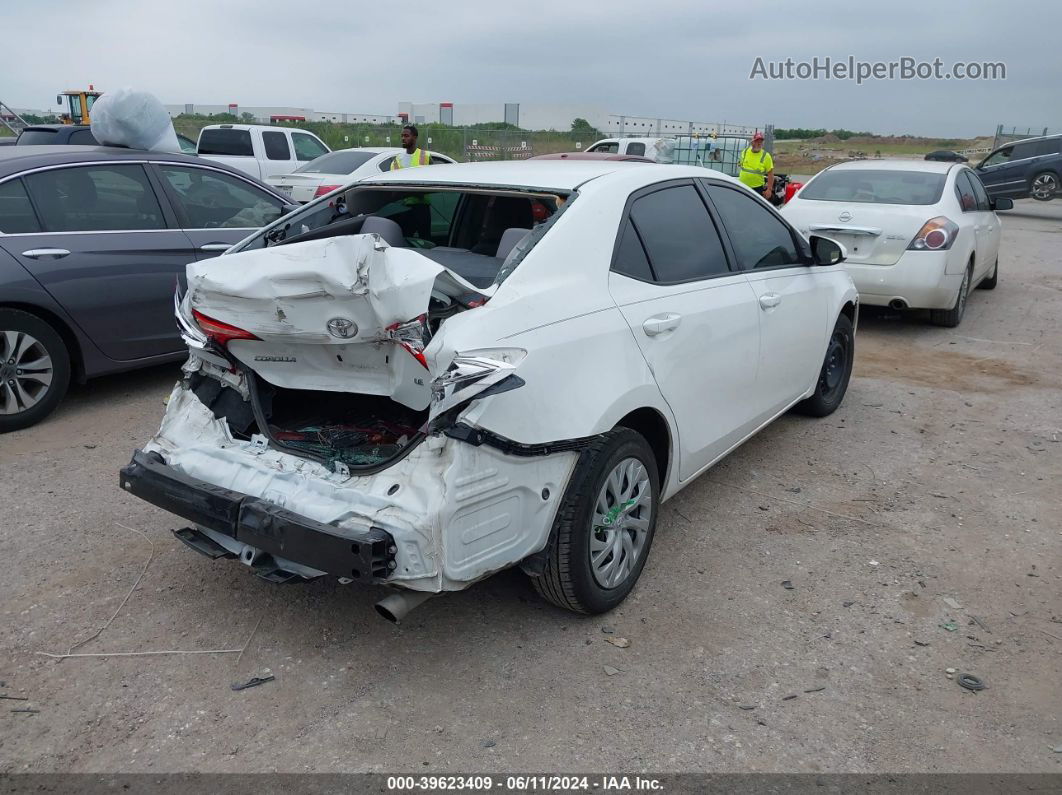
column 362, row 555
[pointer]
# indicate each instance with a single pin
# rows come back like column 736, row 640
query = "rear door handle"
column 54, row 253
column 659, row 324
column 215, row 247
column 770, row 300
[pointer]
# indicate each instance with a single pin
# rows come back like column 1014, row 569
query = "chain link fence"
column 1004, row 135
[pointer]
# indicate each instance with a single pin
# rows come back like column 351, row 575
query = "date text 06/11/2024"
column 524, row 783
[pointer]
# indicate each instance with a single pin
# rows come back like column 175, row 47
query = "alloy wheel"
column 621, row 521
column 26, row 371
column 1044, row 186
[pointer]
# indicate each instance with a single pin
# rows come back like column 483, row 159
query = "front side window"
column 984, row 204
column 276, row 146
column 998, row 158
column 213, row 200
column 760, row 239
column 611, row 148
column 680, row 239
column 96, row 198
column 16, row 212
column 307, row 147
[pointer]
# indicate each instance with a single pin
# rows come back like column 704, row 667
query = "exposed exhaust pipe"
column 396, row 606
column 897, row 303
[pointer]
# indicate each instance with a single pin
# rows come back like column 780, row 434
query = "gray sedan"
column 93, row 241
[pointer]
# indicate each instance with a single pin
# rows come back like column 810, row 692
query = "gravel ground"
column 930, row 500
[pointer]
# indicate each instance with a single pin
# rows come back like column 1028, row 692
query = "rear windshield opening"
column 474, row 233
column 876, row 187
column 359, row 431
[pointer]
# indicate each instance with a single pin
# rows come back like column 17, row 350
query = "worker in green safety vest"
column 412, row 156
column 757, row 167
column 416, row 221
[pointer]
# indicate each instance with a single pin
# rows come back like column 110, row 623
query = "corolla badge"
column 845, row 217
column 342, row 328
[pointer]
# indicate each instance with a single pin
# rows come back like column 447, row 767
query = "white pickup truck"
column 260, row 150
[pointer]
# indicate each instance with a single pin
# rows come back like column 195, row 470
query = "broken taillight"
column 413, row 335
column 220, row 333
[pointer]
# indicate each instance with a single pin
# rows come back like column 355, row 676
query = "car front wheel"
column 835, row 373
column 34, row 369
column 604, row 526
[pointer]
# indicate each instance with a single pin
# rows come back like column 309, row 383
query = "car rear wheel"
column 835, row 373
column 34, row 369
column 950, row 318
column 1044, row 186
column 604, row 526
column 989, row 282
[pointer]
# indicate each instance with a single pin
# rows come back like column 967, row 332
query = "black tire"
column 835, row 373
column 989, row 282
column 950, row 318
column 1044, row 186
column 45, row 398
column 567, row 579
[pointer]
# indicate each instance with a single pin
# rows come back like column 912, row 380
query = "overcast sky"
column 682, row 59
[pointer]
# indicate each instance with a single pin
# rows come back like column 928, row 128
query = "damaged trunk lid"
column 344, row 314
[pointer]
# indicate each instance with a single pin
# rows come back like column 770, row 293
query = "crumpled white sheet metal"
column 136, row 119
column 288, row 293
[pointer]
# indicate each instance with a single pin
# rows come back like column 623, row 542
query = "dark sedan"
column 93, row 241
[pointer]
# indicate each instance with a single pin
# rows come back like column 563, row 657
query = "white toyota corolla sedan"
column 917, row 234
column 436, row 374
column 326, row 173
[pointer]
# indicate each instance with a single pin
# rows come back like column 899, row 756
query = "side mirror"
column 1002, row 204
column 825, row 251
column 289, row 208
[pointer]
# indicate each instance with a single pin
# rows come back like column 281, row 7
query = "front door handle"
column 770, row 300
column 215, row 247
column 659, row 324
column 54, row 253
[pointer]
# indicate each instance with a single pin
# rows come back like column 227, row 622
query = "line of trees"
column 803, row 133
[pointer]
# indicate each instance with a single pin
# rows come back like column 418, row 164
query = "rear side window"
column 276, row 146
column 630, row 259
column 307, row 147
column 679, row 236
column 759, row 238
column 636, row 149
column 965, row 193
column 213, row 200
column 16, row 212
column 231, row 143
column 100, row 198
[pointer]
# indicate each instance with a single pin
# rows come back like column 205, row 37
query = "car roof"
column 14, row 159
column 591, row 156
column 1026, row 140
column 56, row 127
column 933, row 166
column 543, row 174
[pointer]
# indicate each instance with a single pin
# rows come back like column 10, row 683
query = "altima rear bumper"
column 918, row 279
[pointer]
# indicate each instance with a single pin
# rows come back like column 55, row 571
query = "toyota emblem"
column 845, row 217
column 342, row 328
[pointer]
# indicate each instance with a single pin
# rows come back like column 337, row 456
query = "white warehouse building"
column 558, row 117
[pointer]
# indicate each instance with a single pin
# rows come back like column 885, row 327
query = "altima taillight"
column 936, row 234
column 221, row 333
column 323, row 189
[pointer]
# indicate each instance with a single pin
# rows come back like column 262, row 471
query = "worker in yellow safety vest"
column 757, row 167
column 412, row 156
column 416, row 221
